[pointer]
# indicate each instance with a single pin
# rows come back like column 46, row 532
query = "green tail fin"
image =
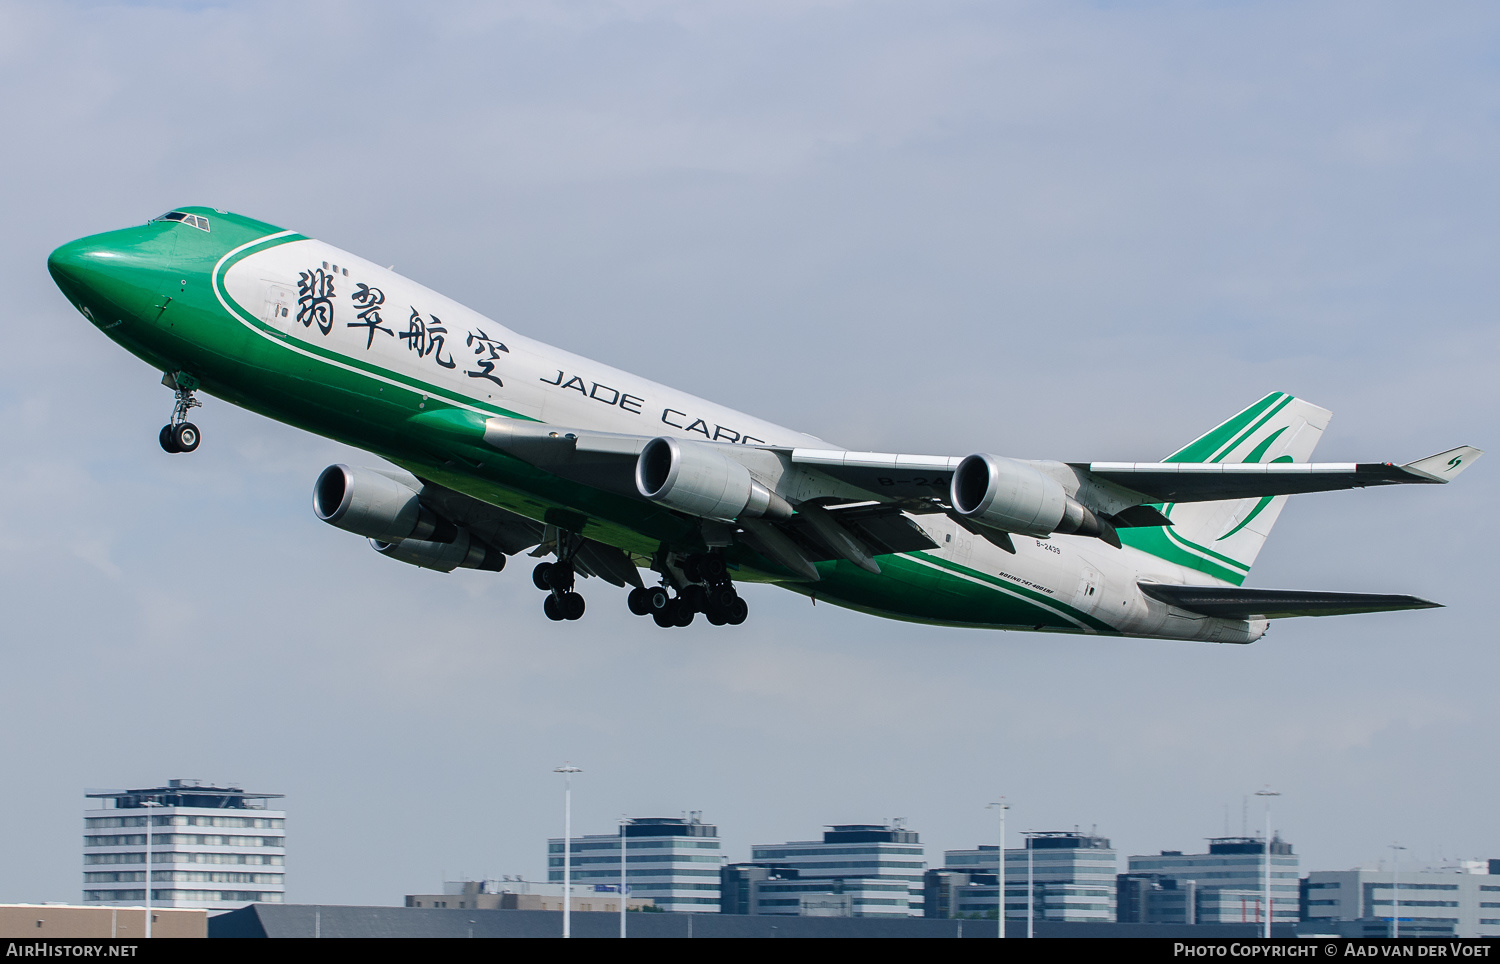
column 1222, row 539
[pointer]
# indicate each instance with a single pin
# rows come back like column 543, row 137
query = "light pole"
column 623, row 821
column 1002, row 806
column 1030, row 887
column 567, row 770
column 1268, row 793
column 147, row 805
column 1396, row 889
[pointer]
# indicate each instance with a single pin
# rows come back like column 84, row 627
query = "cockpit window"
column 197, row 221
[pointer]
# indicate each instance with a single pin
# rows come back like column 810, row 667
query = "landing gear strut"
column 707, row 590
column 180, row 435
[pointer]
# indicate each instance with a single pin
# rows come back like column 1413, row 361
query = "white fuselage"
column 421, row 336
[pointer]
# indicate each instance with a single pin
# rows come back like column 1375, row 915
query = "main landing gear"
column 180, row 435
column 556, row 580
column 707, row 590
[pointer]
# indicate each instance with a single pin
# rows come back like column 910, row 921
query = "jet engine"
column 465, row 551
column 375, row 505
column 699, row 479
column 1012, row 496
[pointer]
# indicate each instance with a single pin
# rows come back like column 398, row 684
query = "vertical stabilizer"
column 1222, row 539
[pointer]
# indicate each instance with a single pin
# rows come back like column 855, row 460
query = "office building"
column 1072, row 878
column 672, row 862
column 1430, row 900
column 518, row 894
column 1154, row 899
column 878, row 867
column 1236, row 864
column 777, row 889
column 211, row 847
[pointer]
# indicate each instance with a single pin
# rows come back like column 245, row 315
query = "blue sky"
column 1079, row 231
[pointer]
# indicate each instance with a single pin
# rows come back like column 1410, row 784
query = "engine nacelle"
column 465, row 551
column 376, row 506
column 698, row 479
column 1012, row 496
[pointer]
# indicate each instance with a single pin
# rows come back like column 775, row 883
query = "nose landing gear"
column 180, row 435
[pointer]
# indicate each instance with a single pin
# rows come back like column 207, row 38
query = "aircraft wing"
column 1214, row 481
column 855, row 505
column 1235, row 603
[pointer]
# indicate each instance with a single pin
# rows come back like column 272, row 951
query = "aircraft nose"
column 116, row 271
column 80, row 265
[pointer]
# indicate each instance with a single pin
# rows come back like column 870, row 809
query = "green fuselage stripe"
column 1040, row 600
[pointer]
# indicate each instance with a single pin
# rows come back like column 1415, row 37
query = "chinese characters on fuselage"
column 427, row 337
column 489, row 349
column 368, row 301
column 315, row 299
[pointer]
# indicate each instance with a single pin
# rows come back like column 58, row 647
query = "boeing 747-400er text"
column 501, row 444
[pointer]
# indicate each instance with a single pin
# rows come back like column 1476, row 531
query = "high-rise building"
column 1235, row 864
column 1072, row 875
column 671, row 861
column 211, row 847
column 1465, row 899
column 879, row 867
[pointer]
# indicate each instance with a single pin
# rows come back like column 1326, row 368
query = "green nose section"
column 78, row 263
column 120, row 271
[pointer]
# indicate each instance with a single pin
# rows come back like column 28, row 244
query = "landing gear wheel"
column 186, row 436
column 694, row 598
column 657, row 600
column 639, row 601
column 738, row 612
column 539, row 576
column 560, row 577
column 682, row 615
column 713, row 567
column 572, row 605
column 724, row 598
column 167, row 445
column 716, row 616
column 553, row 609
column 663, row 618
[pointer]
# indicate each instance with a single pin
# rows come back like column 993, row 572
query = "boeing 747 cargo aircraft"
column 497, row 444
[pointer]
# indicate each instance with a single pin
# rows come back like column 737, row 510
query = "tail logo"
column 1455, row 462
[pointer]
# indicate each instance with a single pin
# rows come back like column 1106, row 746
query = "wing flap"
column 889, row 475
column 1232, row 602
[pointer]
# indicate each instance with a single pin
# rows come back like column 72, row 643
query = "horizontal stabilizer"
column 1164, row 482
column 1444, row 465
column 1233, row 603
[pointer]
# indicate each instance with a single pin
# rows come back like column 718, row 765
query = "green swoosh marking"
column 1259, row 506
column 1260, row 449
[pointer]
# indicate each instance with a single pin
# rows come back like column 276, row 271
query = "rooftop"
column 185, row 793
column 868, row 833
column 687, row 826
